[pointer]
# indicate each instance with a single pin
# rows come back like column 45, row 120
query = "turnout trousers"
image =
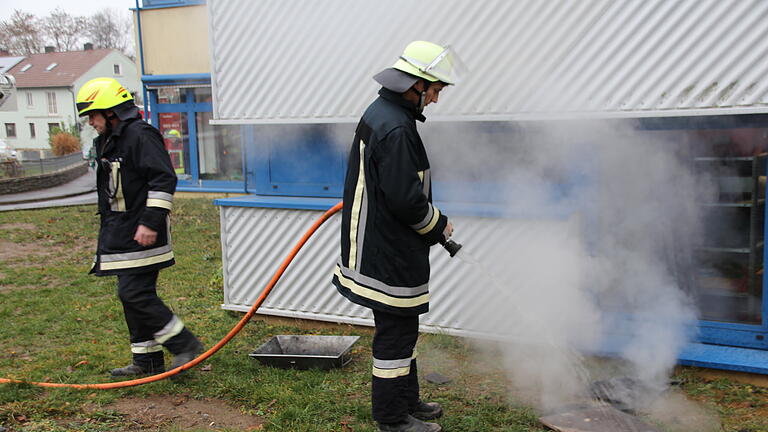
column 395, row 385
column 151, row 323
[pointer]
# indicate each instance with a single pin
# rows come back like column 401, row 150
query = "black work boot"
column 143, row 364
column 410, row 424
column 427, row 410
column 135, row 370
column 187, row 356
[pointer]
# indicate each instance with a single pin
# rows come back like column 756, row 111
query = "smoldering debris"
column 596, row 419
column 625, row 393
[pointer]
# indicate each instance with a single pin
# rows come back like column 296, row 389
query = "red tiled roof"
column 69, row 67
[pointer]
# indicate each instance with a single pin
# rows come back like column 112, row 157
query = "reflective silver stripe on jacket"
column 381, row 286
column 160, row 199
column 427, row 219
column 380, row 297
column 391, row 368
column 358, row 214
column 430, row 220
column 136, row 259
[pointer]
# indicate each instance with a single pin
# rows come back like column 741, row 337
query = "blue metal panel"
column 296, row 160
column 724, row 357
column 733, row 335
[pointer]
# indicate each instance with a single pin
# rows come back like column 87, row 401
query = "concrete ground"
column 79, row 191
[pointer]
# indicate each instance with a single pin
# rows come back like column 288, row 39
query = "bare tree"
column 110, row 29
column 64, row 31
column 21, row 34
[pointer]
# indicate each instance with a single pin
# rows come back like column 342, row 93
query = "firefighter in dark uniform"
column 135, row 183
column 388, row 224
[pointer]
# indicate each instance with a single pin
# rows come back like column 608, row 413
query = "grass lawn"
column 59, row 324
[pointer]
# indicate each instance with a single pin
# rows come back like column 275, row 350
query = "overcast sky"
column 42, row 8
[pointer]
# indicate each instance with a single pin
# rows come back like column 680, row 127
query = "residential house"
column 46, row 87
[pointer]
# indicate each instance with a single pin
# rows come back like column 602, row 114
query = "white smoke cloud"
column 595, row 255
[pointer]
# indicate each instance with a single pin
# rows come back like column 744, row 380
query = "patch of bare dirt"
column 159, row 412
column 10, row 250
column 17, row 226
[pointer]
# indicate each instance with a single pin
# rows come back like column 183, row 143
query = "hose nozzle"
column 451, row 246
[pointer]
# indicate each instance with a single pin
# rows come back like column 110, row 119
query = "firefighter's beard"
column 107, row 129
column 422, row 102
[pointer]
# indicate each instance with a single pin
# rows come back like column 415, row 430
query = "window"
column 218, row 147
column 171, row 95
column 51, row 66
column 51, row 102
column 30, row 99
column 118, row 70
column 26, row 67
column 31, row 130
column 10, row 130
column 52, row 126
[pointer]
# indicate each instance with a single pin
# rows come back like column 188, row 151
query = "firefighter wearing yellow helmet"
column 135, row 183
column 388, row 225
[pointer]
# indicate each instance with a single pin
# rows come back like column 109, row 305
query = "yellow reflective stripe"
column 119, row 197
column 421, row 176
column 432, row 222
column 114, row 265
column 378, row 296
column 154, row 202
column 356, row 203
column 391, row 373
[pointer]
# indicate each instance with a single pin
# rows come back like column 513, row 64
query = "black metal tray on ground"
column 306, row 352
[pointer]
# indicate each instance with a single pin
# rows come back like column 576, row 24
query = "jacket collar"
column 398, row 99
column 108, row 143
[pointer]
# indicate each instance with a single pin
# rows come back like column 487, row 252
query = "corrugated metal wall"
column 255, row 241
column 300, row 61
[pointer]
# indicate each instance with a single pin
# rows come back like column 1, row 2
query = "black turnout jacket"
column 135, row 182
column 388, row 219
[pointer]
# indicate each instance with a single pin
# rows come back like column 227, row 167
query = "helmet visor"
column 446, row 66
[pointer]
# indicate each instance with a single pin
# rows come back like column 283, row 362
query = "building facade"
column 46, row 87
column 599, row 85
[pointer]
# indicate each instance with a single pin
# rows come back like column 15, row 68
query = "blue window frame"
column 724, row 332
column 158, row 4
column 183, row 133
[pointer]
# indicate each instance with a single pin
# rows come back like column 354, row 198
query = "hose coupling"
column 451, row 246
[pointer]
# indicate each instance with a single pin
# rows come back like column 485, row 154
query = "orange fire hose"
column 235, row 330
